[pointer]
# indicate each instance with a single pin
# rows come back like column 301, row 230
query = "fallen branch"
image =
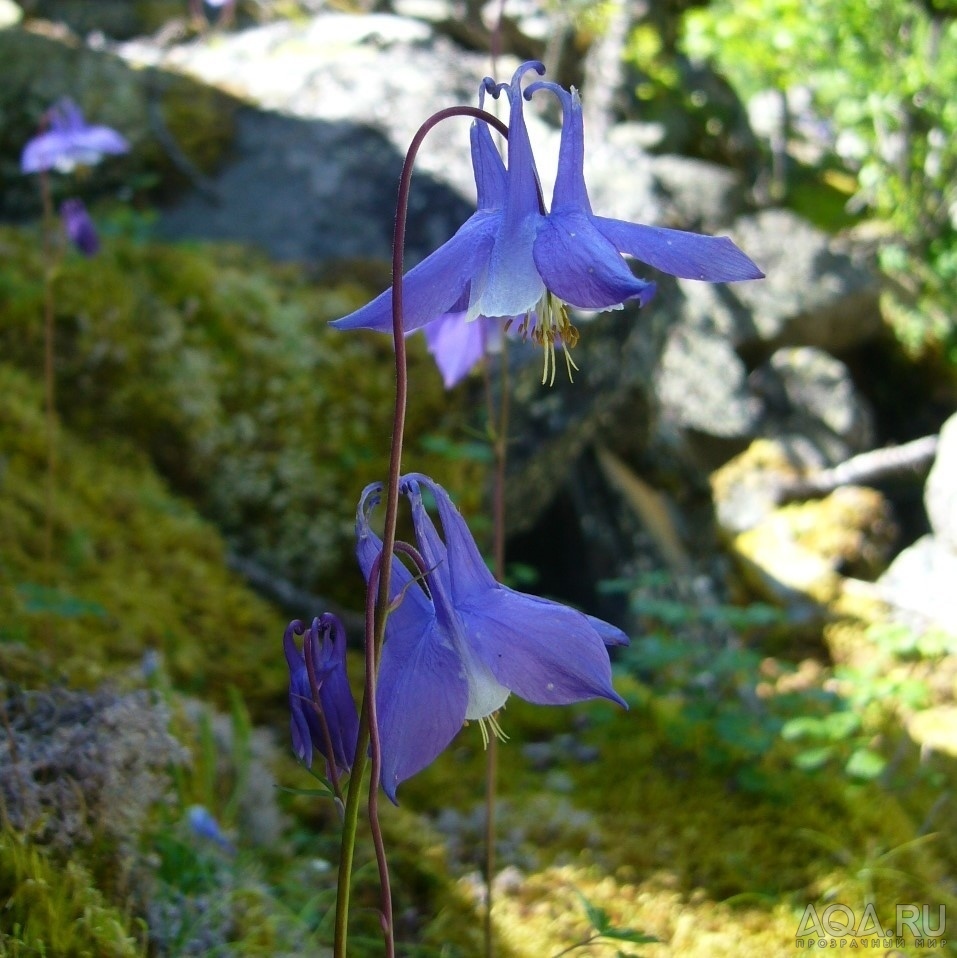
column 912, row 458
column 290, row 597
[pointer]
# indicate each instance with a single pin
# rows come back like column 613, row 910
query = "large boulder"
column 920, row 581
column 818, row 292
column 176, row 127
column 812, row 406
column 940, row 492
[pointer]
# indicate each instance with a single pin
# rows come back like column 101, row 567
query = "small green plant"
column 51, row 908
column 605, row 932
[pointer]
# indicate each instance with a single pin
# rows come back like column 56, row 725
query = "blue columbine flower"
column 327, row 691
column 69, row 142
column 79, row 227
column 512, row 259
column 456, row 648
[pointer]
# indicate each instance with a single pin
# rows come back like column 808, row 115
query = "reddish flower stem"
column 379, row 599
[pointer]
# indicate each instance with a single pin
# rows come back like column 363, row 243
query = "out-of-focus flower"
column 513, row 260
column 458, row 346
column 79, row 227
column 69, row 142
column 322, row 697
column 204, row 825
column 456, row 648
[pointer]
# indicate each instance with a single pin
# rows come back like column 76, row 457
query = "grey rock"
column 920, row 584
column 940, row 491
column 813, row 407
column 816, row 293
column 696, row 195
column 292, row 188
column 701, row 384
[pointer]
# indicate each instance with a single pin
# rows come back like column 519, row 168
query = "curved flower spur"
column 513, row 261
column 458, row 642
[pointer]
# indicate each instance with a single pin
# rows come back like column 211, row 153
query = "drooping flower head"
column 459, row 643
column 514, row 260
column 69, row 142
column 319, row 693
column 79, row 227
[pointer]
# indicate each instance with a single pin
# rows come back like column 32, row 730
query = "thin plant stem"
column 49, row 382
column 498, row 435
column 375, row 750
column 377, row 636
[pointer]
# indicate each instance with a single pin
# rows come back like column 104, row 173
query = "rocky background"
column 755, row 480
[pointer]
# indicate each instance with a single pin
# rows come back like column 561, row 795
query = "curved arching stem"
column 377, row 600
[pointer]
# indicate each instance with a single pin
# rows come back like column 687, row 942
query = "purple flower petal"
column 569, row 190
column 458, row 345
column 509, row 284
column 581, row 267
column 415, row 605
column 421, row 699
column 335, row 694
column 608, row 633
column 433, row 286
column 544, row 652
column 465, row 574
column 489, row 170
column 714, row 259
column 101, row 140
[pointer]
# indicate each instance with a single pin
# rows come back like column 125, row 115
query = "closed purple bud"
column 79, row 227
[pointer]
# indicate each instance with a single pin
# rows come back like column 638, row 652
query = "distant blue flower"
column 456, row 648
column 69, row 142
column 325, row 645
column 204, row 825
column 79, row 227
column 513, row 260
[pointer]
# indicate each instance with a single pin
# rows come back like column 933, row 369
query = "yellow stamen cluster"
column 494, row 726
column 546, row 326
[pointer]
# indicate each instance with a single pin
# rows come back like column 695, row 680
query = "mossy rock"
column 802, row 550
column 222, row 368
column 151, row 109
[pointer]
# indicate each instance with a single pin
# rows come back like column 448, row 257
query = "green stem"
column 49, row 381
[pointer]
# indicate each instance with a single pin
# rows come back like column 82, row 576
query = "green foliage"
column 605, row 929
column 743, row 711
column 882, row 72
column 51, row 908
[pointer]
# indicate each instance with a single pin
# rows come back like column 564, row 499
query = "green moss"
column 53, row 909
column 135, row 569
